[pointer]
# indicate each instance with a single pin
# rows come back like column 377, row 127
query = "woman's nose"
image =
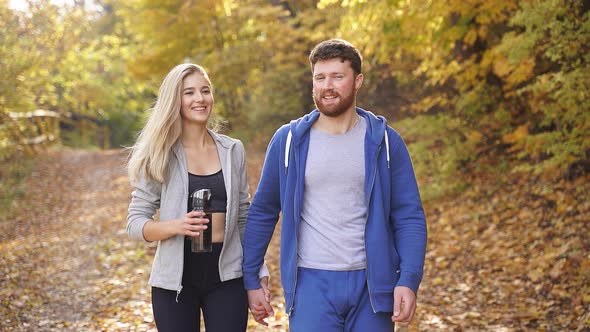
column 198, row 97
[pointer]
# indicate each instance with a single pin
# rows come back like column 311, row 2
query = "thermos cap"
column 202, row 194
column 201, row 198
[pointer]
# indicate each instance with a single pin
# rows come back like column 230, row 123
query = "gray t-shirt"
column 334, row 212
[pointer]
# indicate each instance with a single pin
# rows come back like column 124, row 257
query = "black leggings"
column 224, row 304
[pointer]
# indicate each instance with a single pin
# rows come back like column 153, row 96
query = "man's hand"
column 404, row 304
column 259, row 306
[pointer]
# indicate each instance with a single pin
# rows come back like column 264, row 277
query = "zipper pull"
column 178, row 293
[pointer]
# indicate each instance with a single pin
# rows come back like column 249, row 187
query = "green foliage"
column 67, row 59
column 464, row 81
column 494, row 78
column 437, row 145
column 254, row 51
column 557, row 34
column 12, row 175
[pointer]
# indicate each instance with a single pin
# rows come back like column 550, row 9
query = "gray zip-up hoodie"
column 170, row 198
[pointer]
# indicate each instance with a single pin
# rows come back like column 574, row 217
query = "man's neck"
column 337, row 125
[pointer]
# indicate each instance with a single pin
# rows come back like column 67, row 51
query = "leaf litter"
column 508, row 254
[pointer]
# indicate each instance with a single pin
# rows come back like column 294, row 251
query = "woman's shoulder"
column 228, row 142
column 225, row 140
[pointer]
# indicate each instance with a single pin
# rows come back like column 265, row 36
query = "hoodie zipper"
column 184, row 177
column 368, row 209
column 292, row 304
column 229, row 207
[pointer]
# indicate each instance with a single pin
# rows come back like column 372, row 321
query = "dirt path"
column 67, row 263
column 55, row 267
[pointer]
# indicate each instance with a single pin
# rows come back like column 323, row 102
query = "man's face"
column 335, row 86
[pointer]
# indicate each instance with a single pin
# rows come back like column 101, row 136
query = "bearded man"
column 353, row 234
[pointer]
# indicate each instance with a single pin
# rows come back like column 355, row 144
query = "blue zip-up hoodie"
column 395, row 233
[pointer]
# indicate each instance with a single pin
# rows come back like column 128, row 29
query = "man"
column 353, row 234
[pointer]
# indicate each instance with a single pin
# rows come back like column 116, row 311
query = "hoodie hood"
column 376, row 130
column 376, row 125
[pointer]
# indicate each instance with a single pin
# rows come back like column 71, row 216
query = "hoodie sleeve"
column 145, row 201
column 263, row 214
column 244, row 190
column 407, row 215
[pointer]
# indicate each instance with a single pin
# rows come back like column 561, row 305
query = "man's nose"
column 325, row 85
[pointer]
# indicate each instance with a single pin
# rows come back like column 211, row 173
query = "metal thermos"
column 202, row 202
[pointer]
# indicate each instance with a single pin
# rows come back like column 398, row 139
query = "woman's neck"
column 195, row 136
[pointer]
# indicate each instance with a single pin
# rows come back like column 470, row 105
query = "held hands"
column 259, row 302
column 404, row 304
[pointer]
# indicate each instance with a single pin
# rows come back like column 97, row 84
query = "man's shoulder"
column 283, row 131
column 393, row 133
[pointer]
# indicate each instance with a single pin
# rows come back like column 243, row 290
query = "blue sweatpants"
column 335, row 301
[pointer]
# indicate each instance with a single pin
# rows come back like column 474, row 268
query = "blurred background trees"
column 475, row 87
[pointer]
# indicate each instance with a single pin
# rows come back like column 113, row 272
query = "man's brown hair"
column 337, row 48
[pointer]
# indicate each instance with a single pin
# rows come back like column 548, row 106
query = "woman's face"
column 197, row 98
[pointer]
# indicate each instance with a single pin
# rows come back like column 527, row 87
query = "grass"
column 12, row 188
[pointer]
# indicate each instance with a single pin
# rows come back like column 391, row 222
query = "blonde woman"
column 175, row 154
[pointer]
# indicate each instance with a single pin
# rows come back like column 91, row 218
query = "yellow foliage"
column 517, row 135
column 513, row 74
column 522, row 72
column 470, row 37
column 474, row 136
column 501, row 67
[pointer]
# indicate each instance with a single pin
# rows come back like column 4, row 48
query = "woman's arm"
column 191, row 224
column 145, row 201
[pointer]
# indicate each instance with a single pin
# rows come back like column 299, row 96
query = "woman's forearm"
column 157, row 231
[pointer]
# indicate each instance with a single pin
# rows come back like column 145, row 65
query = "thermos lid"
column 201, row 198
column 202, row 194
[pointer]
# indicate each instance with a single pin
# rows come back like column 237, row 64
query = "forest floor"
column 507, row 254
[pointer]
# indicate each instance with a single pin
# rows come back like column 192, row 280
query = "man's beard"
column 346, row 101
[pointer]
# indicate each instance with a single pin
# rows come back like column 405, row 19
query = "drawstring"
column 387, row 146
column 287, row 148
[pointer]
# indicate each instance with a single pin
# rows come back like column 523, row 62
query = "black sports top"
column 214, row 182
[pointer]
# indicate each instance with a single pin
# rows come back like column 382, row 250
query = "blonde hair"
column 150, row 155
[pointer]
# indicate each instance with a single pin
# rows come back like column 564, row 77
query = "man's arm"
column 262, row 216
column 408, row 219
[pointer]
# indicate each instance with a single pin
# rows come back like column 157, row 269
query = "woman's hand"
column 192, row 224
column 265, row 289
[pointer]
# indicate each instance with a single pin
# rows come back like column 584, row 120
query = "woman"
column 176, row 154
